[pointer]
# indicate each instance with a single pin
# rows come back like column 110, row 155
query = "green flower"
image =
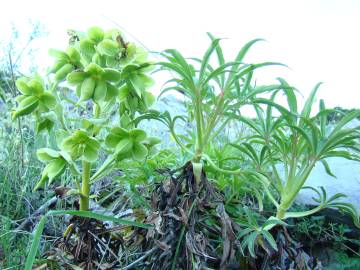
column 57, row 161
column 132, row 102
column 135, row 77
column 128, row 144
column 81, row 145
column 95, row 83
column 65, row 62
column 133, row 95
column 33, row 97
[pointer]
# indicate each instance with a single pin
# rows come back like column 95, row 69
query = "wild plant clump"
column 98, row 78
column 207, row 213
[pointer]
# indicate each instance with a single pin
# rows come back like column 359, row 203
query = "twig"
column 37, row 212
column 147, row 253
column 105, row 245
column 19, row 121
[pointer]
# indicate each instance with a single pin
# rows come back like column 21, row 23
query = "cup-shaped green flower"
column 81, row 145
column 150, row 143
column 131, row 101
column 95, row 83
column 65, row 62
column 127, row 143
column 133, row 96
column 56, row 161
column 135, row 77
column 34, row 97
column 109, row 48
column 88, row 44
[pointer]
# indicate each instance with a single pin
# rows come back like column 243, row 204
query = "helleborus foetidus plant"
column 295, row 142
column 212, row 93
column 107, row 75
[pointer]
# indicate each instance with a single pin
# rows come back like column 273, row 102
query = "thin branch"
column 147, row 254
column 40, row 210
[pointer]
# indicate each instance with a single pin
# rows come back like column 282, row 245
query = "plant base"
column 192, row 229
column 88, row 245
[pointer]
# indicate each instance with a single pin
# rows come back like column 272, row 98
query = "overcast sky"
column 318, row 40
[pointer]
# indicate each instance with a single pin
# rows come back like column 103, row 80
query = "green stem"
column 292, row 188
column 85, row 189
column 212, row 164
column 198, row 120
column 281, row 213
column 96, row 112
column 177, row 140
column 214, row 117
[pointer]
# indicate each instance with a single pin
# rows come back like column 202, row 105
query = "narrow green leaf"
column 327, row 168
column 97, row 216
column 35, row 244
column 206, row 58
column 309, row 102
column 270, row 239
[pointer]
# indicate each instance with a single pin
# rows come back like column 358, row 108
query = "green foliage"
column 294, row 143
column 342, row 261
column 57, row 162
column 33, row 98
column 127, row 143
column 98, row 64
column 254, row 234
column 213, row 94
column 101, row 78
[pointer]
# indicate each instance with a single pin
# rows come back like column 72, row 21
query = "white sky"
column 318, row 39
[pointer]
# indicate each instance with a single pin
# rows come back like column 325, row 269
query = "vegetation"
column 224, row 201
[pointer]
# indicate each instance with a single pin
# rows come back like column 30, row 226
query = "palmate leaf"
column 272, row 222
column 178, row 64
column 332, row 202
column 250, row 68
column 177, row 69
column 239, row 58
column 346, row 119
column 284, row 112
column 221, row 70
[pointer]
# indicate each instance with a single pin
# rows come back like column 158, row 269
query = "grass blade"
column 35, row 244
column 97, row 216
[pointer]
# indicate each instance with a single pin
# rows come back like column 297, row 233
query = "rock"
column 347, row 182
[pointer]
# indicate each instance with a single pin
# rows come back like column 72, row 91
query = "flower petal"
column 123, row 147
column 115, row 136
column 137, row 134
column 139, row 152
